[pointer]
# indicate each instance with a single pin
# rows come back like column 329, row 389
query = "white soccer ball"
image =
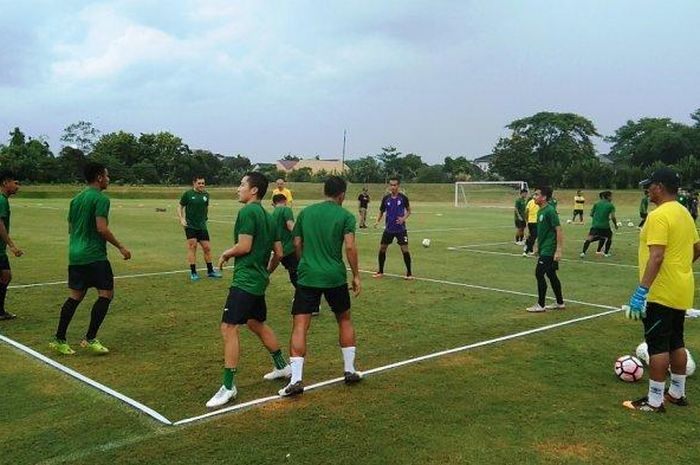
column 630, row 224
column 426, row 243
column 619, row 223
column 568, row 221
column 690, row 367
column 629, row 368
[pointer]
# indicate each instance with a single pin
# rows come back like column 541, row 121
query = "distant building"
column 484, row 163
column 329, row 166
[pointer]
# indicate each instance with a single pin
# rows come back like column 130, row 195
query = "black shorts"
column 308, row 299
column 97, row 274
column 663, row 328
column 532, row 229
column 242, row 306
column 388, row 238
column 599, row 232
column 520, row 224
column 578, row 212
column 4, row 262
column 200, row 234
column 290, row 262
column 546, row 264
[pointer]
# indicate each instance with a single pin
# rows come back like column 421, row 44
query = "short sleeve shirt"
column 394, row 207
column 281, row 215
column 322, row 228
column 250, row 270
column 601, row 214
column 196, row 208
column 672, row 226
column 520, row 207
column 364, row 200
column 532, row 209
column 579, row 202
column 86, row 245
column 5, row 217
column 547, row 222
column 644, row 206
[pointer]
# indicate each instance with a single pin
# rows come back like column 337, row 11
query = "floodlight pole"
column 342, row 166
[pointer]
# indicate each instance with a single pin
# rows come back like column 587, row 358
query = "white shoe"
column 582, row 255
column 537, row 308
column 222, row 396
column 280, row 373
column 555, row 306
column 524, row 254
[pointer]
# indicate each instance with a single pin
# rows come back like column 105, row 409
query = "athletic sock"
column 3, row 294
column 382, row 260
column 407, row 261
column 656, row 393
column 210, row 267
column 278, row 359
column 586, row 244
column 97, row 316
column 677, row 387
column 193, row 269
column 297, row 364
column 67, row 312
column 348, row 358
column 608, row 244
column 229, row 377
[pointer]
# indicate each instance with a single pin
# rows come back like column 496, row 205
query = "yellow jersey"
column 672, row 226
column 532, row 210
column 579, row 200
column 286, row 192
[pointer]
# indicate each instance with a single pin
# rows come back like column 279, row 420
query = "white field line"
column 488, row 244
column 99, row 386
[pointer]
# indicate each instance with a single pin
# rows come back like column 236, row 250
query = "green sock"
column 278, row 359
column 229, row 373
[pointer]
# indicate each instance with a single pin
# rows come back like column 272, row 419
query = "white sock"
column 677, row 387
column 656, row 392
column 348, row 358
column 297, row 364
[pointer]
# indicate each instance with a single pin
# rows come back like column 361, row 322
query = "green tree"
column 121, row 146
column 365, row 170
column 71, row 162
column 434, row 173
column 458, row 168
column 648, row 140
column 300, row 175
column 514, row 159
column 81, row 135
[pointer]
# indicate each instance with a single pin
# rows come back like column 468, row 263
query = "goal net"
column 487, row 192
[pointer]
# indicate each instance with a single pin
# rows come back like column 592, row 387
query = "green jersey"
column 322, row 228
column 520, row 204
column 250, row 270
column 554, row 202
column 547, row 222
column 281, row 215
column 196, row 207
column 5, row 217
column 644, row 206
column 601, row 212
column 86, row 245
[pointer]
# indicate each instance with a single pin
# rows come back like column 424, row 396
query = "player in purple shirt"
column 397, row 209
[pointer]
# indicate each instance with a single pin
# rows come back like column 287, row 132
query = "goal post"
column 485, row 189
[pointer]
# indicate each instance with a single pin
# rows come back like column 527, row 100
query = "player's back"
column 86, row 245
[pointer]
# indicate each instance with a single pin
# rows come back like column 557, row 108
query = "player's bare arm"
column 242, row 247
column 103, row 230
column 351, row 254
column 6, row 238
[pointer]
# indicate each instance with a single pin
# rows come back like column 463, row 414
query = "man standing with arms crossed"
column 397, row 208
column 579, row 203
column 363, row 198
column 668, row 246
column 9, row 186
column 87, row 259
column 319, row 234
column 280, row 189
column 195, row 205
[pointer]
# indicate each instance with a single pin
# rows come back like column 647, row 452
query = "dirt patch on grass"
column 558, row 450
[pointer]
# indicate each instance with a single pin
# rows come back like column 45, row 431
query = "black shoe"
column 352, row 377
column 292, row 389
column 682, row 402
column 643, row 405
column 7, row 316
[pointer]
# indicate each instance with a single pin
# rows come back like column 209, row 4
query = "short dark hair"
column 605, row 194
column 546, row 191
column 277, row 198
column 93, row 170
column 395, row 178
column 524, row 191
column 197, row 176
column 334, row 186
column 7, row 175
column 257, row 179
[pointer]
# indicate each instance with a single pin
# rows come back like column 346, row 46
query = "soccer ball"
column 619, row 223
column 568, row 221
column 426, row 243
column 629, row 368
column 630, row 224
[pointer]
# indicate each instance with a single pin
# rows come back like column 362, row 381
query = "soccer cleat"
column 524, row 254
column 94, row 346
column 292, row 389
column 599, row 253
column 61, row 346
column 409, row 277
column 643, row 405
column 555, row 306
column 537, row 308
column 352, row 377
column 681, row 402
column 607, row 255
column 214, row 274
column 7, row 316
column 194, row 277
column 279, row 373
column 582, row 255
column 222, row 397
column 316, row 313
column 378, row 275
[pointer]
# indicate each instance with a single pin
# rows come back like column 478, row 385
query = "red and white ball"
column 629, row 368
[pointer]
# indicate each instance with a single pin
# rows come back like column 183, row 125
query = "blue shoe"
column 214, row 274
column 194, row 277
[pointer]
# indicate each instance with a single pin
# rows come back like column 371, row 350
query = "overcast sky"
column 267, row 78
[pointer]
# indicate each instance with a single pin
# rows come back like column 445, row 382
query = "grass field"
column 545, row 397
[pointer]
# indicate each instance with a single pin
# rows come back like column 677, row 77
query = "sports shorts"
column 96, row 274
column 520, row 224
column 242, row 306
column 201, row 235
column 388, row 238
column 308, row 299
column 663, row 328
column 4, row 262
column 600, row 232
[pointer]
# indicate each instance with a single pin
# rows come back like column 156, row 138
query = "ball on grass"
column 426, row 243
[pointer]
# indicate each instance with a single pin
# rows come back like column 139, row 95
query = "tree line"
column 545, row 148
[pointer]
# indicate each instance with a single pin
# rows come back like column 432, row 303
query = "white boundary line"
column 99, row 386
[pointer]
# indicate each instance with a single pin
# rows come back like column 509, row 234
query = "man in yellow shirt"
column 280, row 189
column 579, row 202
column 531, row 210
column 668, row 246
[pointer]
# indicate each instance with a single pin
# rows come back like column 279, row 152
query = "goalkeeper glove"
column 638, row 304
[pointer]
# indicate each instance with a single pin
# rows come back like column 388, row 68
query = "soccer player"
column 9, row 187
column 603, row 212
column 255, row 236
column 280, row 189
column 319, row 234
column 668, row 246
column 88, row 265
column 644, row 208
column 363, row 198
column 693, row 205
column 519, row 212
column 283, row 217
column 192, row 211
column 397, row 208
column 579, row 203
column 549, row 246
column 531, row 210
